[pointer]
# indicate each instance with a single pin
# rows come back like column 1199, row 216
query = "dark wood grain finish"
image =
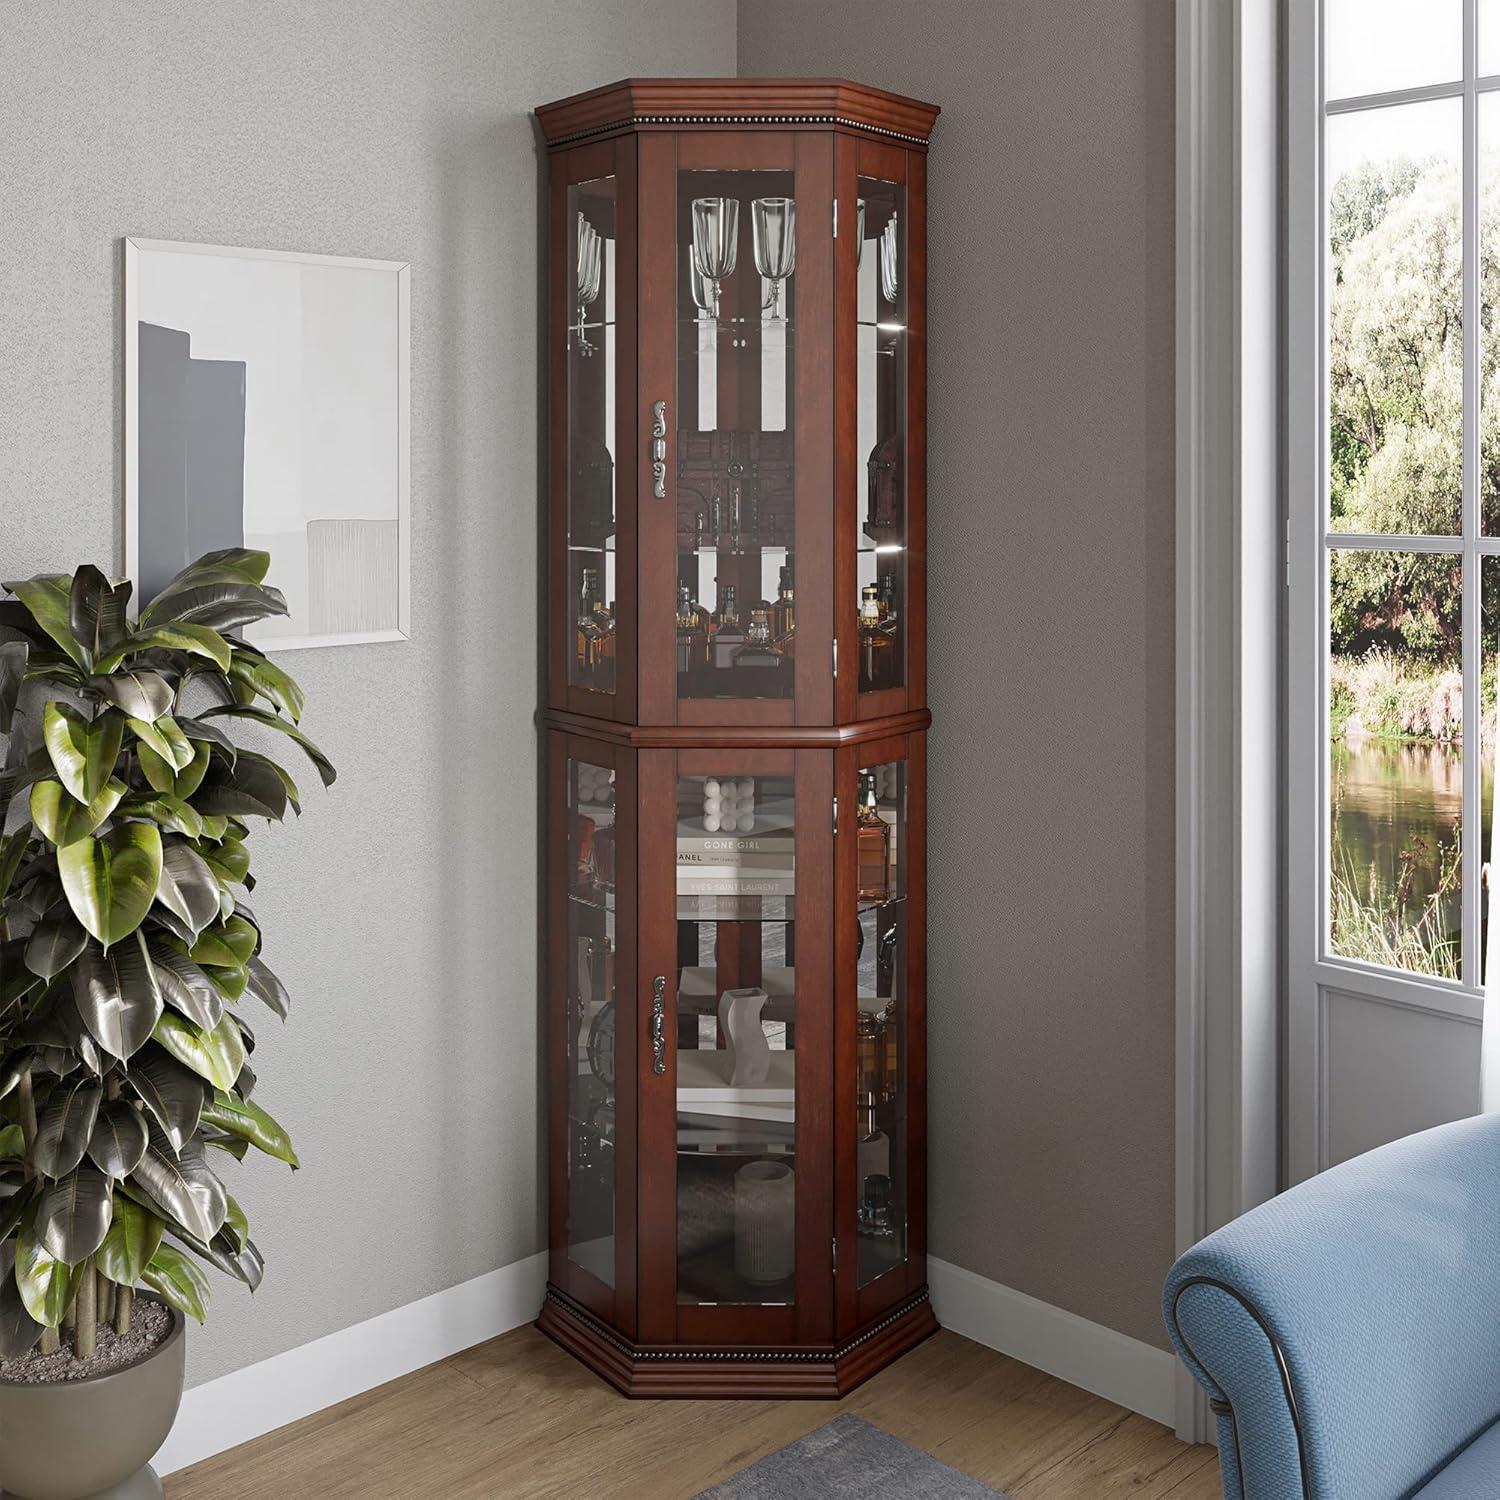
column 670, row 103
column 647, row 1335
column 815, row 1372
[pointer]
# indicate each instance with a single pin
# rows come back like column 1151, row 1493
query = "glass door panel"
column 881, row 342
column 736, row 387
column 591, row 433
column 736, row 1039
column 591, row 995
column 880, row 1021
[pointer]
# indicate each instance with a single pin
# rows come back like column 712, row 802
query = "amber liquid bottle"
column 591, row 633
column 729, row 634
column 784, row 616
column 874, row 643
column 873, row 840
column 692, row 634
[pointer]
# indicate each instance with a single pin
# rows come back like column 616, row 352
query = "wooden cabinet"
column 736, row 727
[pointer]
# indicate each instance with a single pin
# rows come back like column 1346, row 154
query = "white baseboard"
column 1113, row 1365
column 235, row 1408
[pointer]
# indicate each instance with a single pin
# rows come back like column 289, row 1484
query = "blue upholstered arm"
column 1348, row 1331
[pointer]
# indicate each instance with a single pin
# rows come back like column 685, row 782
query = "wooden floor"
column 518, row 1417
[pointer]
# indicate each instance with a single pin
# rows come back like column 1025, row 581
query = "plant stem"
column 106, row 1299
column 87, row 1305
column 51, row 1342
column 124, row 1302
column 26, row 1100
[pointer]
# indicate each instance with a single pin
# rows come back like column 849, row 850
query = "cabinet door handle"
column 659, row 1025
column 659, row 456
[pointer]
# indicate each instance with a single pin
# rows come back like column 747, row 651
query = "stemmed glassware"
column 716, row 243
column 859, row 233
column 590, row 267
column 774, row 222
column 890, row 283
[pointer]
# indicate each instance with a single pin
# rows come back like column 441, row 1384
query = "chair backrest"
column 1352, row 1324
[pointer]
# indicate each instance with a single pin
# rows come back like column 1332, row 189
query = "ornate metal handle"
column 659, row 1025
column 659, row 456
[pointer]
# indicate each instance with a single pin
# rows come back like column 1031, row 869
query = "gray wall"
column 1051, row 401
column 402, row 908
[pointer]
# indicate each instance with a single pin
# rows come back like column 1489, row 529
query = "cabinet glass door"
column 881, row 281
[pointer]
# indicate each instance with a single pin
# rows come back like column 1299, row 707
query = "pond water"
column 1398, row 802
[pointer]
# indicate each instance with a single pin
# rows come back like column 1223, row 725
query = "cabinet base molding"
column 814, row 1372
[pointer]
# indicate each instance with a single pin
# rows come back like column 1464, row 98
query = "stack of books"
column 735, row 864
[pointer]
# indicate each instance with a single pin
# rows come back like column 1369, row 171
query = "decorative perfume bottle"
column 692, row 633
column 758, row 650
column 873, row 838
column 784, row 615
column 591, row 633
column 729, row 634
column 874, row 643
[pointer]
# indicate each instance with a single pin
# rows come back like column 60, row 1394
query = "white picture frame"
column 167, row 285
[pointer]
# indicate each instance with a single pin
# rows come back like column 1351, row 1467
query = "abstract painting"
column 267, row 406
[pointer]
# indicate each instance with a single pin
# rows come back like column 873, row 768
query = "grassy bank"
column 1390, row 697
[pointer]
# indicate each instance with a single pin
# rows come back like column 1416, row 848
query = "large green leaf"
column 174, row 1095
column 274, row 721
column 96, row 610
column 119, row 1138
column 240, row 1258
column 185, row 987
column 250, row 1122
column 134, row 1235
column 227, row 945
column 248, row 789
column 110, row 882
column 262, row 676
column 178, row 1280
column 46, row 598
column 222, row 605
column 181, row 1183
column 216, row 1054
column 72, row 1216
column 196, row 640
column 209, row 734
column 46, row 1283
column 19, row 1331
column 188, row 887
column 65, row 1125
column 228, row 859
column 172, row 813
column 83, row 751
column 12, row 1145
column 267, row 988
column 166, row 741
column 13, row 658
column 224, row 565
column 54, row 943
column 117, row 995
column 64, row 819
column 136, row 693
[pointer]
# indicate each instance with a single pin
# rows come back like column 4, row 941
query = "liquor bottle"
column 874, row 643
column 605, row 619
column 729, row 634
column 887, row 597
column 873, row 840
column 692, row 633
column 758, row 650
column 784, row 616
column 589, row 630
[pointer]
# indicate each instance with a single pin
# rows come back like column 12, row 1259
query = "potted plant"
column 128, row 962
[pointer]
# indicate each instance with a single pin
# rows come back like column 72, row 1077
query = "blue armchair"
column 1348, row 1332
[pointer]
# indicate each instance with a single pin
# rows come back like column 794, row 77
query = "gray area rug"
column 849, row 1457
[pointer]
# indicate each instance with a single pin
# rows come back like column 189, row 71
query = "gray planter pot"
column 91, row 1439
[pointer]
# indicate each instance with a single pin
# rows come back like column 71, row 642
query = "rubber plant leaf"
column 264, row 716
column 229, row 860
column 83, row 751
column 240, row 1259
column 179, row 1281
column 19, row 1331
column 136, row 693
column 166, row 740
column 187, row 886
column 72, row 1215
column 173, row 1095
column 65, row 1125
column 185, row 987
column 217, row 1054
column 248, row 789
column 13, row 656
column 64, row 819
column 264, row 677
column 209, row 734
column 119, row 1139
column 47, row 598
column 54, row 943
column 182, row 1184
column 96, row 610
column 251, row 1123
column 47, row 1284
column 134, row 1235
column 196, row 640
column 110, row 882
column 173, row 814
column 229, row 944
column 267, row 988
column 117, row 995
column 219, row 605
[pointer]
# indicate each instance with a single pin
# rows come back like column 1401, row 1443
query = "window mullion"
column 1472, row 594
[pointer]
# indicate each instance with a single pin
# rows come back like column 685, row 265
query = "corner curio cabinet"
column 736, row 721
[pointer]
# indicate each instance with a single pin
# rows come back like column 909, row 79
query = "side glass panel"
column 736, row 548
column 880, row 1023
column 591, row 1019
column 881, row 429
column 591, row 432
column 736, row 1039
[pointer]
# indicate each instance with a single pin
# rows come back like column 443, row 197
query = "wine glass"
column 890, row 283
column 774, row 221
column 590, row 264
column 716, row 241
column 705, row 294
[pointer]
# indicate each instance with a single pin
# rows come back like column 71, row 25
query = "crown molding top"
column 675, row 102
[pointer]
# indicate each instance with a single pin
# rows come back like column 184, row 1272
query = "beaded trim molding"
column 603, row 1331
column 629, row 120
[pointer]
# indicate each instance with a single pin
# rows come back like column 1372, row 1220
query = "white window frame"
column 1311, row 968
